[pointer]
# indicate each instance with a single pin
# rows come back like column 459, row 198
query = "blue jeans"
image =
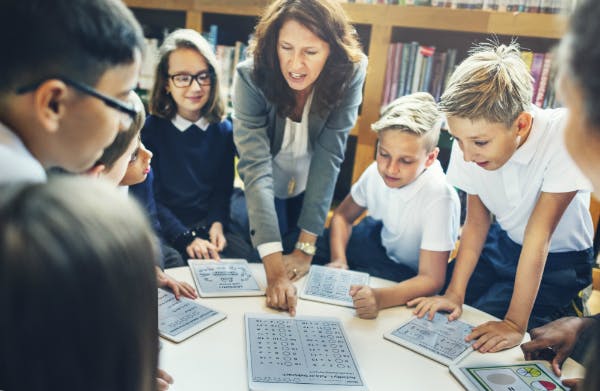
column 365, row 252
column 490, row 288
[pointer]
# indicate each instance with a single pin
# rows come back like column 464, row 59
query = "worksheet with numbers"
column 180, row 319
column 302, row 353
column 439, row 339
column 224, row 278
column 331, row 285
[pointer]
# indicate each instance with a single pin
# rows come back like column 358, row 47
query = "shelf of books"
column 410, row 47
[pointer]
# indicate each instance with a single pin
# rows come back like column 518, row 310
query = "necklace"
column 291, row 186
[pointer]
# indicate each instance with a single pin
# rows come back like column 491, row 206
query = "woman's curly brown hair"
column 328, row 21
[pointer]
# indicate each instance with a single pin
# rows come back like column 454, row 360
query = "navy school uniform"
column 144, row 194
column 194, row 170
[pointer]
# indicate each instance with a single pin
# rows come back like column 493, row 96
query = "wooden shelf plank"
column 170, row 5
column 430, row 18
column 527, row 24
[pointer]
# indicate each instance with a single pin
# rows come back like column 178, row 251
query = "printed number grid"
column 301, row 351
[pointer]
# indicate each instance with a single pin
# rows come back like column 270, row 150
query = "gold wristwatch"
column 306, row 248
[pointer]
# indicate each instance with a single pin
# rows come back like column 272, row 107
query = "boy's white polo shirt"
column 16, row 162
column 424, row 214
column 541, row 164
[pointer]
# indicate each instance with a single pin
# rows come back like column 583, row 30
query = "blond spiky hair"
column 493, row 84
column 417, row 114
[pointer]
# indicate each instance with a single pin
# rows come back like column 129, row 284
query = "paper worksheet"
column 224, row 278
column 301, row 353
column 330, row 285
column 180, row 319
column 438, row 339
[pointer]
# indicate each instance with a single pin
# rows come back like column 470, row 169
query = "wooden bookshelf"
column 383, row 19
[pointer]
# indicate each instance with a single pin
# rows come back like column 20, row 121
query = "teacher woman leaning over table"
column 295, row 100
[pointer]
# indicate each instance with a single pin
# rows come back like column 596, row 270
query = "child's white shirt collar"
column 183, row 124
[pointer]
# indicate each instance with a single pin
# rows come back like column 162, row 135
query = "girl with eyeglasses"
column 193, row 149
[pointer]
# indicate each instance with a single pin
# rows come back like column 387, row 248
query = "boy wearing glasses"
column 64, row 83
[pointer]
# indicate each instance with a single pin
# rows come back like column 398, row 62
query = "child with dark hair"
column 77, row 289
column 64, row 81
column 126, row 162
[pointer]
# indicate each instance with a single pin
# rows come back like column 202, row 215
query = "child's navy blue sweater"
column 193, row 173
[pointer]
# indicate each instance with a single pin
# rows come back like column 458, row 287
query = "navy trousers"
column 365, row 252
column 491, row 286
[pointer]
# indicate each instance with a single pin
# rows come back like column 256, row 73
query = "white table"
column 215, row 359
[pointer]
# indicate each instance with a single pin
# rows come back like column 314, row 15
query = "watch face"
column 307, row 248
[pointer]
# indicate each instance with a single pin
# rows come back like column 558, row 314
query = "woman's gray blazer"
column 258, row 134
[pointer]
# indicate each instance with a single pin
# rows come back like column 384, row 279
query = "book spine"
column 450, row 65
column 536, row 72
column 428, row 52
column 416, row 79
column 439, row 64
column 387, row 86
column 544, row 79
column 404, row 64
column 414, row 46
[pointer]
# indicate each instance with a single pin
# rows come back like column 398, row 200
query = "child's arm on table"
column 499, row 335
column 432, row 273
column 474, row 233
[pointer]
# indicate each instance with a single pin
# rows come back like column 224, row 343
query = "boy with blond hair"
column 413, row 213
column 509, row 157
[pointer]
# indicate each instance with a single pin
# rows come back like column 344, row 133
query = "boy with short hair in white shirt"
column 413, row 213
column 510, row 158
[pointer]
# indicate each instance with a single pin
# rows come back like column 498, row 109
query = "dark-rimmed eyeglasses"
column 128, row 111
column 182, row 80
